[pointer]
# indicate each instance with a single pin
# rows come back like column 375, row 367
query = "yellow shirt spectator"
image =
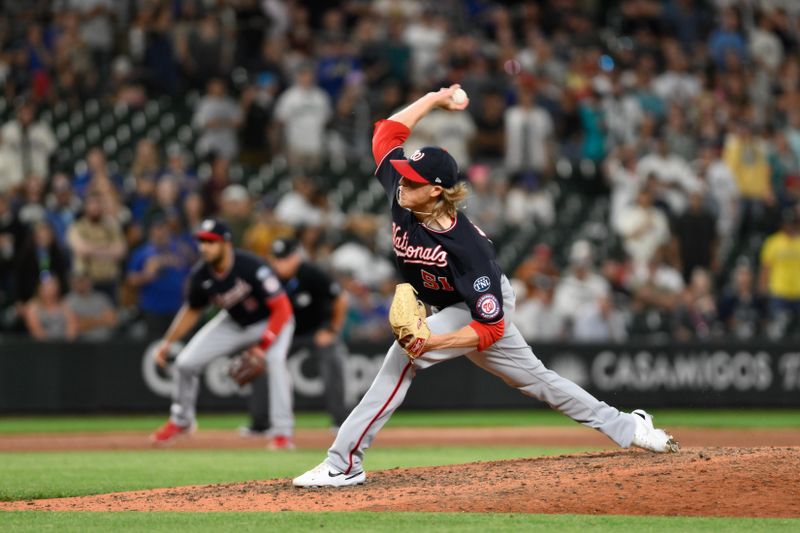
column 781, row 255
column 747, row 159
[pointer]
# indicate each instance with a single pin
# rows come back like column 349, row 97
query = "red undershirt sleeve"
column 488, row 334
column 280, row 310
column 388, row 135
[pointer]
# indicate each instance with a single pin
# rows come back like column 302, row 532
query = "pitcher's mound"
column 752, row 482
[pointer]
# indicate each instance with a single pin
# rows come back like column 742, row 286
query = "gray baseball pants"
column 510, row 358
column 222, row 336
column 331, row 360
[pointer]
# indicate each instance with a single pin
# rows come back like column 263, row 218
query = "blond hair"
column 448, row 202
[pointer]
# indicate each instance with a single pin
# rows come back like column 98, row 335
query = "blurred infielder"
column 450, row 264
column 255, row 314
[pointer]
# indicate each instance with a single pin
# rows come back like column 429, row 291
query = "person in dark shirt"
column 320, row 308
column 696, row 231
column 255, row 314
column 451, row 265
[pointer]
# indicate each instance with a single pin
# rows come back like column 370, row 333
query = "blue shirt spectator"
column 158, row 269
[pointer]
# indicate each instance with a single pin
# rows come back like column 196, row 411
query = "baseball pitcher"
column 449, row 264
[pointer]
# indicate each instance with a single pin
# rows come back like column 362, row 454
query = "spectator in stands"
column 489, row 143
column 192, row 215
column 94, row 313
column 643, row 228
column 302, row 113
column 529, row 159
column 46, row 316
column 158, row 269
column 218, row 118
column 695, row 316
column 98, row 246
column 265, row 228
column 696, row 233
column 656, row 284
column 27, row 144
column 39, row 257
column 256, row 102
column 719, row 184
column 538, row 264
column 12, row 238
column 30, row 205
column 146, row 160
column 536, row 313
column 96, row 164
column 670, row 175
column 296, row 208
column 599, row 321
column 204, row 52
column 582, row 285
column 368, row 310
column 178, row 168
column 727, row 43
column 215, row 184
column 784, row 171
column 742, row 310
column 485, row 205
column 351, row 126
column 166, row 201
column 97, row 28
column 623, row 179
column 62, row 207
column 780, row 269
column 746, row 154
column 236, row 211
column 160, row 58
column 103, row 187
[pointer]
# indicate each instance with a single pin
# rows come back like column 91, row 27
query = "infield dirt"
column 738, row 476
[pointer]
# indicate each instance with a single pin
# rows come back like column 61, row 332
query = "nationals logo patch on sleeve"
column 488, row 307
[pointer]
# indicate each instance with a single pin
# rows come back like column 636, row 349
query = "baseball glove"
column 247, row 366
column 407, row 317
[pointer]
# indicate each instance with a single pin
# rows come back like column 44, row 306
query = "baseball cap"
column 213, row 230
column 284, row 247
column 429, row 164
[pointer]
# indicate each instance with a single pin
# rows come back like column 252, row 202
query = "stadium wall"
column 120, row 376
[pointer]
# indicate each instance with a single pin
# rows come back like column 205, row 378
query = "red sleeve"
column 280, row 310
column 388, row 136
column 488, row 334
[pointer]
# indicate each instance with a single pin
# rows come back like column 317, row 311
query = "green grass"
column 28, row 475
column 59, row 474
column 727, row 418
column 428, row 522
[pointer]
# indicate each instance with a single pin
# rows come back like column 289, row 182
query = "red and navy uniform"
column 249, row 291
column 445, row 267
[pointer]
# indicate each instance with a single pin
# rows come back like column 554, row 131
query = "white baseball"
column 459, row 96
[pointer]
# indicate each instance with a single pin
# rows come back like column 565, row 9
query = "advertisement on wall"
column 121, row 376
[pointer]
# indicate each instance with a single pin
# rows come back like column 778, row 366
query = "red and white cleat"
column 170, row 432
column 281, row 442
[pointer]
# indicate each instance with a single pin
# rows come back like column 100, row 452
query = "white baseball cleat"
column 323, row 475
column 651, row 438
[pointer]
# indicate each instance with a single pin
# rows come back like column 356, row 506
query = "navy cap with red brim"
column 407, row 171
column 208, row 236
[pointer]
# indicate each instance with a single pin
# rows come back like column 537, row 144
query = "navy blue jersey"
column 243, row 290
column 445, row 267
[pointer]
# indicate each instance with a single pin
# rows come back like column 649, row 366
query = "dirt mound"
column 745, row 482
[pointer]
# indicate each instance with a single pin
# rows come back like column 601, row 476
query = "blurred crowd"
column 683, row 116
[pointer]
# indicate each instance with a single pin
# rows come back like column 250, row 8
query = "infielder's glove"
column 407, row 317
column 247, row 366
